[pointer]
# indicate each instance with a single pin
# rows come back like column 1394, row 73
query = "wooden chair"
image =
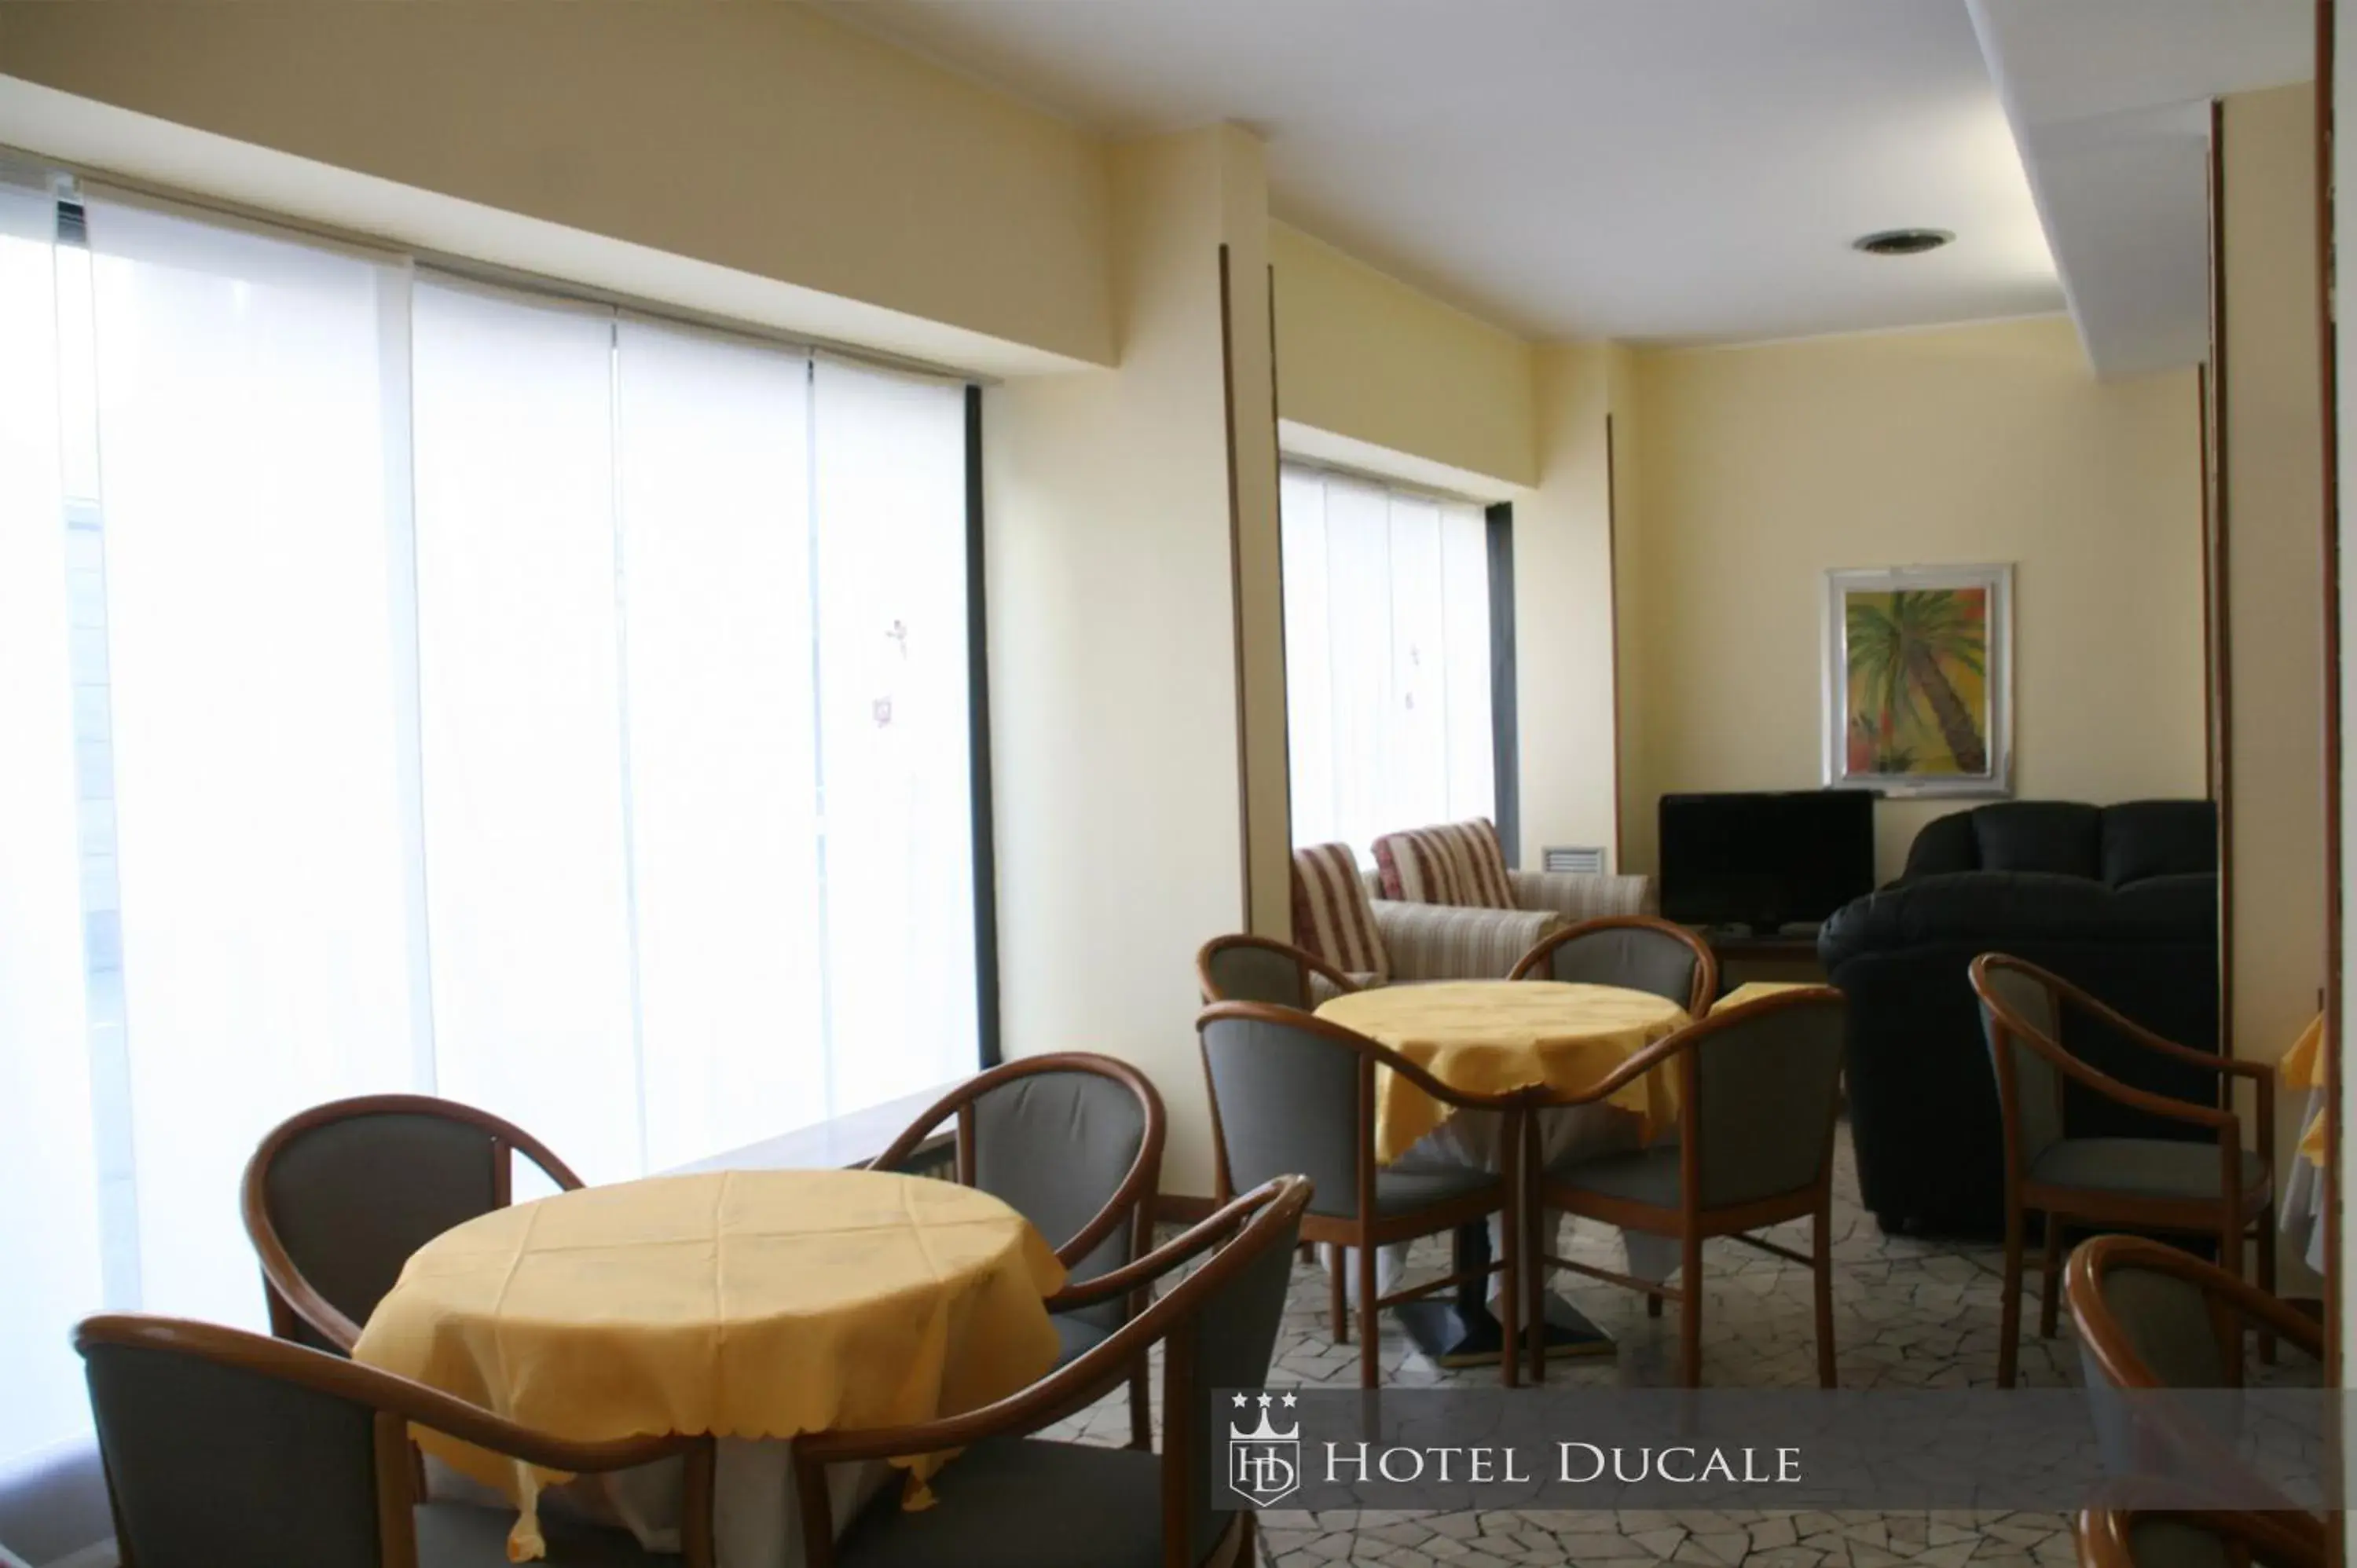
column 1245, row 968
column 1635, row 951
column 1291, row 1091
column 226, row 1447
column 2140, row 1184
column 1073, row 1143
column 1757, row 1094
column 1011, row 1499
column 2117, row 1538
column 338, row 1197
column 2150, row 1316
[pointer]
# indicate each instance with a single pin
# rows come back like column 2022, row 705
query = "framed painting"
column 1918, row 680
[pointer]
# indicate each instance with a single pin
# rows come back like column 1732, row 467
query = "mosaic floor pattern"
column 1907, row 1313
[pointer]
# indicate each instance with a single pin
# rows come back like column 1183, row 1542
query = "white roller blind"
column 48, row 1178
column 714, row 462
column 519, row 693
column 896, row 784
column 1387, row 659
column 263, row 962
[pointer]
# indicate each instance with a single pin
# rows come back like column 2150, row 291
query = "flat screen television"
column 1765, row 859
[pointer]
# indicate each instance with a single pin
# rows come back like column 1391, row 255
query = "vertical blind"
column 414, row 686
column 1387, row 659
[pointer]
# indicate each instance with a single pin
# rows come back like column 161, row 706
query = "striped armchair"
column 1463, row 866
column 1376, row 942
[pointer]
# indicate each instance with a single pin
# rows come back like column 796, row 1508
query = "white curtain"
column 1387, row 659
column 49, row 1173
column 412, row 686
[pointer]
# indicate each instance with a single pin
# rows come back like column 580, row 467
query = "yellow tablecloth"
column 742, row 1303
column 2302, row 1068
column 1490, row 1035
column 1757, row 990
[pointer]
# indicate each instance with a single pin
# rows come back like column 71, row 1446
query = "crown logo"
column 1264, row 1432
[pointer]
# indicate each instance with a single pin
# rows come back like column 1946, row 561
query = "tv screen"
column 1765, row 859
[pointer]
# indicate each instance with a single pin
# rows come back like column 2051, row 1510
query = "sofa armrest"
column 1581, row 896
column 1438, row 941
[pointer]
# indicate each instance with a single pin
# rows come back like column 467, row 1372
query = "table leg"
column 1462, row 1331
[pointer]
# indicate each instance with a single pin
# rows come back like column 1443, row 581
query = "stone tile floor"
column 1907, row 1313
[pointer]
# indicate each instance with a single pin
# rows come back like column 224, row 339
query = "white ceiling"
column 1680, row 170
column 2109, row 101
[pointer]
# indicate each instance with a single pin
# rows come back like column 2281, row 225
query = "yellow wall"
column 2275, row 632
column 1113, row 638
column 765, row 139
column 1361, row 355
column 1563, row 608
column 1763, row 467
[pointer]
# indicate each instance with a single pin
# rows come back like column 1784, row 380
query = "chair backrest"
column 2150, row 1316
column 1290, row 1095
column 1637, row 953
column 225, row 1448
column 1332, row 915
column 2109, row 1537
column 1225, row 1341
column 339, row 1197
column 1760, row 1094
column 1070, row 1141
column 215, row 1461
column 1253, row 969
column 2018, row 999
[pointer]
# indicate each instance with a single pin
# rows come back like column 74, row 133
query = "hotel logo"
column 1263, row 1464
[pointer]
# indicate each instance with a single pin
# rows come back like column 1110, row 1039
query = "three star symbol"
column 1289, row 1401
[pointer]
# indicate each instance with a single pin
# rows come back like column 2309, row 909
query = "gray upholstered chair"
column 1636, row 951
column 1292, row 1092
column 1245, row 968
column 338, row 1196
column 1073, row 1143
column 1759, row 1089
column 2115, row 1538
column 1011, row 1499
column 2150, row 1316
column 225, row 1448
column 2214, row 1188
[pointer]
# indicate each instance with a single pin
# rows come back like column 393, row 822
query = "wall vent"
column 1588, row 861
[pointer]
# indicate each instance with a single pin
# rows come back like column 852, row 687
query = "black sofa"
column 2121, row 899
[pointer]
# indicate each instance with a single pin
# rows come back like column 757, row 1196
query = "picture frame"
column 1918, row 680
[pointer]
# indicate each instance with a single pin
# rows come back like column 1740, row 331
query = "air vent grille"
column 1589, row 862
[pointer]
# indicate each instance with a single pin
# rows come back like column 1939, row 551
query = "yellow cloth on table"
column 1487, row 1037
column 2303, row 1069
column 1754, row 990
column 742, row 1303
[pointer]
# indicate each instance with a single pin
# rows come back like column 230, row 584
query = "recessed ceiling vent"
column 1901, row 242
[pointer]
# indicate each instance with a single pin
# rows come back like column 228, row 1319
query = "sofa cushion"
column 1462, row 864
column 2059, row 836
column 2145, row 839
column 1332, row 916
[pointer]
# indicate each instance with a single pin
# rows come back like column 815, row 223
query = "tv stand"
column 1782, row 950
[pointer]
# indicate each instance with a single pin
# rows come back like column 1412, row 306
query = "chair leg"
column 2267, row 1278
column 2049, row 1285
column 1338, row 1290
column 1535, row 1283
column 2008, row 1333
column 1690, row 1314
column 1510, row 1286
column 1370, row 1339
column 1822, row 1258
column 1141, row 1406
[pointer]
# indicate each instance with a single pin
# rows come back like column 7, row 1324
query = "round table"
column 1490, row 1036
column 751, row 1304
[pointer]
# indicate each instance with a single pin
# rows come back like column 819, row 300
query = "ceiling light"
column 1901, row 242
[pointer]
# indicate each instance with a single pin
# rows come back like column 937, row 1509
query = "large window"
column 1388, row 658
column 409, row 685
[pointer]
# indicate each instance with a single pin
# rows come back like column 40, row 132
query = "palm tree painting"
column 1920, row 663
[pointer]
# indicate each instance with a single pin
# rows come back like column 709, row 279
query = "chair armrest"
column 2136, row 1034
column 1439, row 942
column 2119, row 1093
column 1582, row 895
